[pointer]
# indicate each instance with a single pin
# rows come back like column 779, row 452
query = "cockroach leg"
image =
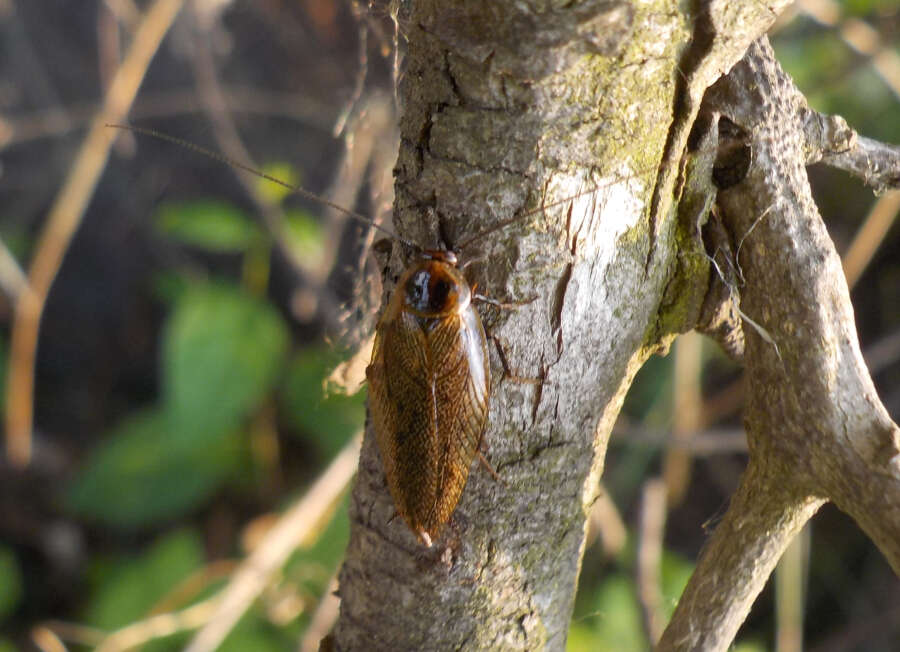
column 507, row 374
column 490, row 468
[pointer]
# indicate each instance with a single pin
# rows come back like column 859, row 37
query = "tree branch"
column 831, row 140
column 507, row 109
column 815, row 426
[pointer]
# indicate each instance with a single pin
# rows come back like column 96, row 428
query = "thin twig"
column 12, row 279
column 72, row 632
column 870, row 236
column 649, row 557
column 362, row 72
column 686, row 409
column 158, row 626
column 789, row 599
column 63, row 220
column 323, row 618
column 606, row 523
column 46, row 640
column 291, row 530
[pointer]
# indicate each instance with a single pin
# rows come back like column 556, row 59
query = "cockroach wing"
column 428, row 396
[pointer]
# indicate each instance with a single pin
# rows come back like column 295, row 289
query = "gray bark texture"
column 585, row 110
column 815, row 426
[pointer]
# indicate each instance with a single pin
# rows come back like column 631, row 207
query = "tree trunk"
column 508, row 109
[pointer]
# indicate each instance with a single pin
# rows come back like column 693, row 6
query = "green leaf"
column 675, row 572
column 582, row 638
column 137, row 477
column 169, row 286
column 16, row 239
column 10, row 582
column 616, row 617
column 222, row 353
column 749, row 646
column 327, row 421
column 132, row 587
column 303, row 236
column 212, row 225
column 254, row 634
column 275, row 192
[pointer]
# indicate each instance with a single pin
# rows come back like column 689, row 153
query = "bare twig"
column 125, row 11
column 649, row 556
column 362, row 71
column 63, row 631
column 686, row 409
column 159, row 626
column 323, row 618
column 829, row 139
column 789, row 594
column 12, row 279
column 51, row 123
column 292, row 529
column 606, row 523
column 870, row 236
column 64, row 218
column 46, row 640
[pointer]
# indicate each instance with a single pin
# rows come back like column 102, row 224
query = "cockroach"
column 429, row 385
column 429, row 376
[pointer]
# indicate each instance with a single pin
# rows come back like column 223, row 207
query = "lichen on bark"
column 507, row 107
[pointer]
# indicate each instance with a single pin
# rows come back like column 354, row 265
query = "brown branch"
column 815, row 426
column 829, row 139
column 761, row 521
column 63, row 220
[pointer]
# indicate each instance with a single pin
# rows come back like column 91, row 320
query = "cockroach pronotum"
column 429, row 375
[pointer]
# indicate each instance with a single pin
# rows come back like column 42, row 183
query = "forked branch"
column 815, row 426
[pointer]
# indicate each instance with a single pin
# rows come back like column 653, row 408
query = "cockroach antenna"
column 299, row 190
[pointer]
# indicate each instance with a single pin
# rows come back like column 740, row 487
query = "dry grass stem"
column 294, row 528
column 870, row 236
column 63, row 220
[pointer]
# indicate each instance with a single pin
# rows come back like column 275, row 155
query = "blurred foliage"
column 225, row 357
column 303, row 235
column 141, row 475
column 223, row 351
column 275, row 192
column 10, row 582
column 232, row 363
column 127, row 588
column 328, row 419
column 213, row 225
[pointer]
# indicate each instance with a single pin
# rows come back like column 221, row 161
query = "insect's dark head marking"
column 434, row 287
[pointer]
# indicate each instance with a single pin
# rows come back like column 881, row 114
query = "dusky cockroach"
column 429, row 375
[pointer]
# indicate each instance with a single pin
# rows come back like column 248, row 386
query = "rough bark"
column 508, row 108
column 815, row 426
